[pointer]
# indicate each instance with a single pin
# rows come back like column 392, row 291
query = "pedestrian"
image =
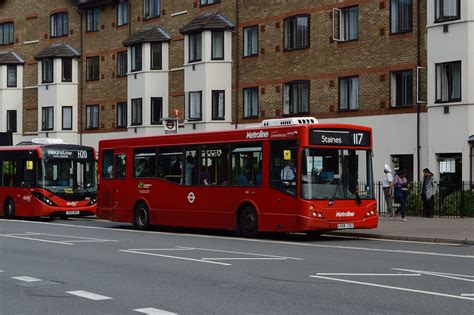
column 400, row 192
column 387, row 186
column 427, row 192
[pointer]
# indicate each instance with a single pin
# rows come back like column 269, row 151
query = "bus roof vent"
column 47, row 141
column 288, row 121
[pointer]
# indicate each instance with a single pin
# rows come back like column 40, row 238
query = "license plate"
column 72, row 212
column 345, row 226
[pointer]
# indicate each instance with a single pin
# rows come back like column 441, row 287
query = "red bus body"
column 28, row 197
column 217, row 207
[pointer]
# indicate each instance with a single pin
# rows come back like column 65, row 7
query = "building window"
column 195, row 105
column 136, row 58
column 122, row 64
column 11, row 76
column 11, row 121
column 401, row 87
column 218, row 105
column 151, row 8
column 448, row 82
column 47, row 118
column 401, row 12
column 122, row 13
column 67, row 117
column 296, row 98
column 156, row 56
column 92, row 64
column 349, row 93
column 92, row 117
column 251, row 102
column 346, row 24
column 92, row 20
column 217, row 45
column 195, row 47
column 58, row 23
column 47, row 70
column 136, row 111
column 7, row 31
column 122, row 115
column 208, row 2
column 296, row 32
column 156, row 110
column 67, row 70
column 447, row 10
column 251, row 41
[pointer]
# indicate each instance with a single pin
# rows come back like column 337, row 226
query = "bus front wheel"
column 141, row 217
column 248, row 222
column 9, row 209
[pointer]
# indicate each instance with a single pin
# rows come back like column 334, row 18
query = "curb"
column 406, row 238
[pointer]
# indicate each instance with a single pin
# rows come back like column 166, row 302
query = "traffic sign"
column 170, row 125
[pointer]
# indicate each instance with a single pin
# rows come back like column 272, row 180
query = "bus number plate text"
column 72, row 212
column 345, row 226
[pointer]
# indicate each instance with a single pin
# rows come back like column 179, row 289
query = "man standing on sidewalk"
column 387, row 186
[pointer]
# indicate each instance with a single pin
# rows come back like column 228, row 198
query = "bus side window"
column 170, row 164
column 9, row 173
column 247, row 164
column 144, row 163
column 107, row 164
column 120, row 165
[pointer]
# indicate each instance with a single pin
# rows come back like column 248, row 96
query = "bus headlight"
column 93, row 201
column 43, row 199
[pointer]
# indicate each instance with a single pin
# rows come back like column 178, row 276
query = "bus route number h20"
column 82, row 154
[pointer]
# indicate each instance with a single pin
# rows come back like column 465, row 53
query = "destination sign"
column 67, row 153
column 339, row 137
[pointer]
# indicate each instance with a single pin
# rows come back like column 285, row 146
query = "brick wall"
column 372, row 57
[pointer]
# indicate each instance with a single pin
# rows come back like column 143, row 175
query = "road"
column 83, row 266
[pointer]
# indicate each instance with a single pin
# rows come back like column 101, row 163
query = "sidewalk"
column 439, row 230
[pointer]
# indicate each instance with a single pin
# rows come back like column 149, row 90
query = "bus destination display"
column 340, row 137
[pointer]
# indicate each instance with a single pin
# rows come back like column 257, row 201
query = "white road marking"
column 77, row 237
column 432, row 273
column 174, row 257
column 246, row 258
column 27, row 279
column 467, row 294
column 256, row 240
column 153, row 311
column 1, row 270
column 388, row 240
column 367, row 274
column 35, row 239
column 395, row 288
column 89, row 295
column 240, row 253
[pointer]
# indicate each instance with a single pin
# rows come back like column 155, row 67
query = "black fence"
column 450, row 200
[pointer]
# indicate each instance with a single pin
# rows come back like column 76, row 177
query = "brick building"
column 87, row 70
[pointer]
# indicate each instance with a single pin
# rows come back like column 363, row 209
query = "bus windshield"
column 68, row 176
column 336, row 174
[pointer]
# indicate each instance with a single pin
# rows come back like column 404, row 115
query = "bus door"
column 283, row 175
column 119, row 186
column 106, row 184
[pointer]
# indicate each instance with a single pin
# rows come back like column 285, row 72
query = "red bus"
column 45, row 177
column 290, row 175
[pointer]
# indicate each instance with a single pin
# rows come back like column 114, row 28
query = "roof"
column 207, row 21
column 58, row 50
column 10, row 58
column 148, row 35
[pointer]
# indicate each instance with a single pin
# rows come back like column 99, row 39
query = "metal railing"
column 451, row 200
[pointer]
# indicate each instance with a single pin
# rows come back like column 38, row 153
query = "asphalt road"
column 98, row 267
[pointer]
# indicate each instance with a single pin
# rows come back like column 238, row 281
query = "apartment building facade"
column 96, row 69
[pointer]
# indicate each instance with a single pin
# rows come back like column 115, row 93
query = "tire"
column 248, row 222
column 141, row 217
column 8, row 209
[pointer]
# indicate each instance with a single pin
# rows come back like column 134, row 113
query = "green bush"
column 451, row 204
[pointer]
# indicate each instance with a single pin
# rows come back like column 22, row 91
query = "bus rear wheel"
column 141, row 217
column 8, row 209
column 248, row 222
